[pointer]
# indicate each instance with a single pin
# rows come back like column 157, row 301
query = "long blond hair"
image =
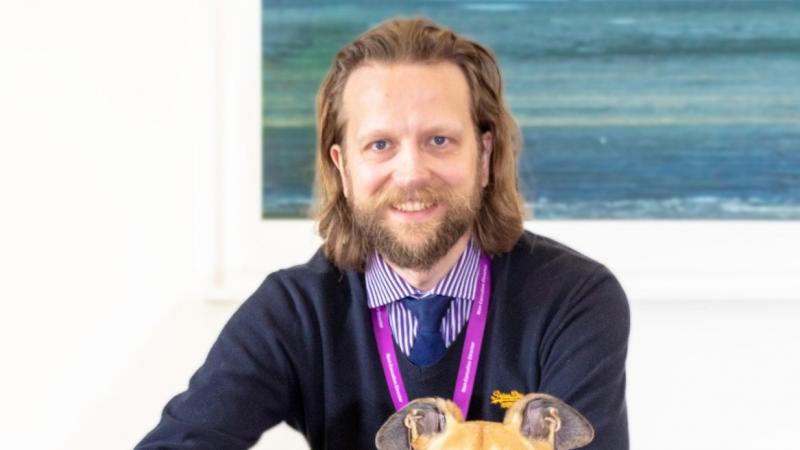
column 418, row 40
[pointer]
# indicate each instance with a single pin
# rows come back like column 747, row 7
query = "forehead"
column 405, row 96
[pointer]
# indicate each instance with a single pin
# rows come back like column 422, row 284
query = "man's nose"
column 411, row 165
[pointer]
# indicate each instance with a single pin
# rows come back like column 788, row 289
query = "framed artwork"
column 661, row 137
column 628, row 109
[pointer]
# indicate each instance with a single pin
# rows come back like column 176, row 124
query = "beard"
column 417, row 245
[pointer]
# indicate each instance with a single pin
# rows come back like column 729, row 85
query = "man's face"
column 411, row 164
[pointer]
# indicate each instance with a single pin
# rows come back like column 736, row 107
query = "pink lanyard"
column 465, row 381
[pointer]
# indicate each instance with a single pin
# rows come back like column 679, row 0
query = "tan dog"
column 534, row 422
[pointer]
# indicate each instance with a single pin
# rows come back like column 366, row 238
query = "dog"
column 535, row 422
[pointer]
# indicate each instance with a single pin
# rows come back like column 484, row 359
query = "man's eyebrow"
column 372, row 135
column 446, row 128
column 443, row 128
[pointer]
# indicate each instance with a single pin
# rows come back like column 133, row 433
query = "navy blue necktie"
column 428, row 345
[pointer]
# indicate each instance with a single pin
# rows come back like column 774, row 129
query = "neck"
column 425, row 280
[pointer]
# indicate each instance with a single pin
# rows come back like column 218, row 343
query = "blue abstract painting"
column 628, row 110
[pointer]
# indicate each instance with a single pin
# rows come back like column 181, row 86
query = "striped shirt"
column 386, row 287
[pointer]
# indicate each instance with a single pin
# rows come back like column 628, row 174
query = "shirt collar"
column 385, row 286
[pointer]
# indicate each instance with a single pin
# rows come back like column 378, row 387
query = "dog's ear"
column 421, row 417
column 542, row 417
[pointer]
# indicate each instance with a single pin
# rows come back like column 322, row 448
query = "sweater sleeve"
column 243, row 388
column 583, row 357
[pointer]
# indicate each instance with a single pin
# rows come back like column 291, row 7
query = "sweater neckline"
column 448, row 363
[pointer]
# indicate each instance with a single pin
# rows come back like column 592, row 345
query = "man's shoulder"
column 542, row 249
column 317, row 267
column 317, row 280
column 316, row 273
column 557, row 275
column 538, row 254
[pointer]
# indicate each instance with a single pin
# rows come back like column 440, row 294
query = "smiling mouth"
column 412, row 206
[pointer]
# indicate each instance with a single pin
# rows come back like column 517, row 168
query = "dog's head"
column 535, row 422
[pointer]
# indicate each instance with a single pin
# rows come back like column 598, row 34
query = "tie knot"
column 428, row 311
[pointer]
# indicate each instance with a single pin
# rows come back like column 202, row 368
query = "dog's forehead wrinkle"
column 482, row 437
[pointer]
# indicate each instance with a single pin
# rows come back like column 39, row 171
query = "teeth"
column 412, row 206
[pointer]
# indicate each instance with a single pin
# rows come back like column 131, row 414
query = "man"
column 422, row 226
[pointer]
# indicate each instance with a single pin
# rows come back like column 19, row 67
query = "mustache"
column 422, row 194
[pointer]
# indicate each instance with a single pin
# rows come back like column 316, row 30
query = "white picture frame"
column 655, row 260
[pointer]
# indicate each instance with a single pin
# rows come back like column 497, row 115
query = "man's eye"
column 380, row 145
column 439, row 140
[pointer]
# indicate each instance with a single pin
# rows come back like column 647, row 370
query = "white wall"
column 109, row 139
column 106, row 130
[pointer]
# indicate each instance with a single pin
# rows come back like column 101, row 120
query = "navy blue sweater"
column 301, row 349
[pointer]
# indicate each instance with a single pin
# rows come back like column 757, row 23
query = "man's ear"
column 425, row 417
column 336, row 153
column 487, row 144
column 544, row 418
